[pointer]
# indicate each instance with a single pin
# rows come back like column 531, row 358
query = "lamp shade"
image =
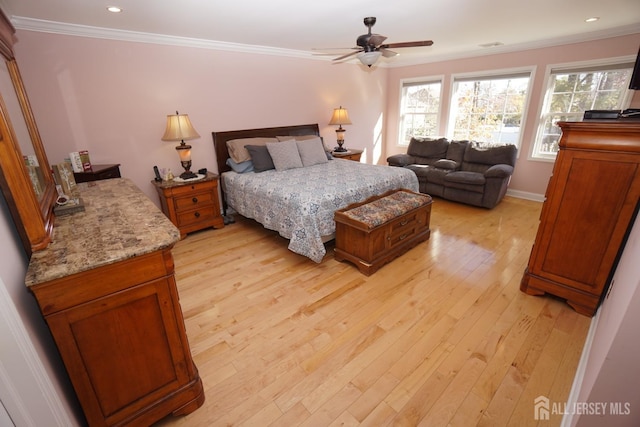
column 340, row 117
column 179, row 128
column 369, row 58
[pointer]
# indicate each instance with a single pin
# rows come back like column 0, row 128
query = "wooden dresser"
column 591, row 200
column 106, row 288
column 191, row 205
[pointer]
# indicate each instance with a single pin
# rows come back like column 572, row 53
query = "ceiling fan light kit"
column 370, row 46
column 369, row 58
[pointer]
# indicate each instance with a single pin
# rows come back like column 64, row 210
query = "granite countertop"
column 119, row 222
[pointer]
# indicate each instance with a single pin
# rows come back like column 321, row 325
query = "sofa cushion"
column 464, row 177
column 446, row 164
column 456, row 151
column 436, row 176
column 428, row 147
column 493, row 155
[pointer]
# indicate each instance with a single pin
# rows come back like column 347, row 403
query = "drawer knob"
column 194, row 200
column 197, row 214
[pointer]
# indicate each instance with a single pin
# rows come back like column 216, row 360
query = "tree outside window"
column 419, row 112
column 489, row 109
column 571, row 92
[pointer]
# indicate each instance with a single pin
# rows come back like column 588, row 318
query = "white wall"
column 612, row 371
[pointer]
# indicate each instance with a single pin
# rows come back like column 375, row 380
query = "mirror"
column 25, row 177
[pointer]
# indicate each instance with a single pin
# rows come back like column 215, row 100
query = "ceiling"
column 458, row 28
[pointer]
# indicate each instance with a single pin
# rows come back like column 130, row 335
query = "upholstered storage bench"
column 374, row 232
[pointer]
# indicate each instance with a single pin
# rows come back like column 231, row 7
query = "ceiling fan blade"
column 376, row 40
column 408, row 44
column 340, row 58
column 387, row 53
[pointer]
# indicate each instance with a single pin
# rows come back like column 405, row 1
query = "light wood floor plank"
column 442, row 336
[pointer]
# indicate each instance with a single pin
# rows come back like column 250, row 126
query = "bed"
column 299, row 202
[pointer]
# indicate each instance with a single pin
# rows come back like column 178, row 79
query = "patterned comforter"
column 300, row 203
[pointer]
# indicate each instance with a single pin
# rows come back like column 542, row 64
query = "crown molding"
column 540, row 44
column 39, row 25
column 53, row 27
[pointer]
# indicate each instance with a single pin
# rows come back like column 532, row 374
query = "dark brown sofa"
column 468, row 172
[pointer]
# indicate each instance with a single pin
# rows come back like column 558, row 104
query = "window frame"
column 494, row 74
column 551, row 69
column 417, row 81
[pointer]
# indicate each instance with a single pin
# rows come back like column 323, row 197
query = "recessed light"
column 492, row 44
column 592, row 19
column 114, row 9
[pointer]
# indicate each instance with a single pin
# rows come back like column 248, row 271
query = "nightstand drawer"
column 204, row 214
column 192, row 201
column 188, row 189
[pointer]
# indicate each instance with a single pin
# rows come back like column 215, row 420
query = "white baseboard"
column 526, row 195
column 567, row 419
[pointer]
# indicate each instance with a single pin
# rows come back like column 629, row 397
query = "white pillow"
column 312, row 152
column 285, row 155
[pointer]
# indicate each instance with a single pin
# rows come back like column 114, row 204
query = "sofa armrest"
column 499, row 171
column 446, row 164
column 400, row 160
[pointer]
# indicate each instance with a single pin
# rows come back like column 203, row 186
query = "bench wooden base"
column 370, row 246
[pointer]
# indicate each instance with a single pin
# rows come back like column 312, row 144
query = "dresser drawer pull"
column 404, row 236
column 197, row 214
column 404, row 222
column 194, row 200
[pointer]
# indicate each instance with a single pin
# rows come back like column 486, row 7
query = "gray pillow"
column 312, row 152
column 285, row 155
column 260, row 158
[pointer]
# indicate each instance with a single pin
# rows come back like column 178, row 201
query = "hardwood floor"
column 442, row 336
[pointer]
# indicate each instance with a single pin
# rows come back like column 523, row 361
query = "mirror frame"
column 33, row 217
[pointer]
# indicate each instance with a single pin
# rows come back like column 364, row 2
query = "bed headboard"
column 220, row 138
column 222, row 152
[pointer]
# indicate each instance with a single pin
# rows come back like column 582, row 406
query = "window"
column 419, row 110
column 571, row 92
column 490, row 108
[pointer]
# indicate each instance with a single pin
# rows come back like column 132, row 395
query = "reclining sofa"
column 461, row 171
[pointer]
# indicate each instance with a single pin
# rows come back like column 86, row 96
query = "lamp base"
column 188, row 175
column 340, row 149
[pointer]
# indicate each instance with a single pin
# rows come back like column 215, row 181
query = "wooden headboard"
column 222, row 152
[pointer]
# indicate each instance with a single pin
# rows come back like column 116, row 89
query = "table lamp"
column 179, row 128
column 340, row 117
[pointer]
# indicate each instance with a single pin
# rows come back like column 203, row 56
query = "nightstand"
column 191, row 205
column 351, row 154
column 97, row 173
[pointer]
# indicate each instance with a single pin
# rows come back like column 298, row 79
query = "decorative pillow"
column 243, row 167
column 237, row 150
column 285, row 155
column 312, row 152
column 260, row 158
column 305, row 138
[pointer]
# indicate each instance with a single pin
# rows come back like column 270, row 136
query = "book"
column 86, row 162
column 76, row 162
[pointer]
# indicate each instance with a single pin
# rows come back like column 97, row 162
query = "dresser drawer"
column 193, row 201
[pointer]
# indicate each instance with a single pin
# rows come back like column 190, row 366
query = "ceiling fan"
column 371, row 47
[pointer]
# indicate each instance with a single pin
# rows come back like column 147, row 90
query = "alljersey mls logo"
column 543, row 408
